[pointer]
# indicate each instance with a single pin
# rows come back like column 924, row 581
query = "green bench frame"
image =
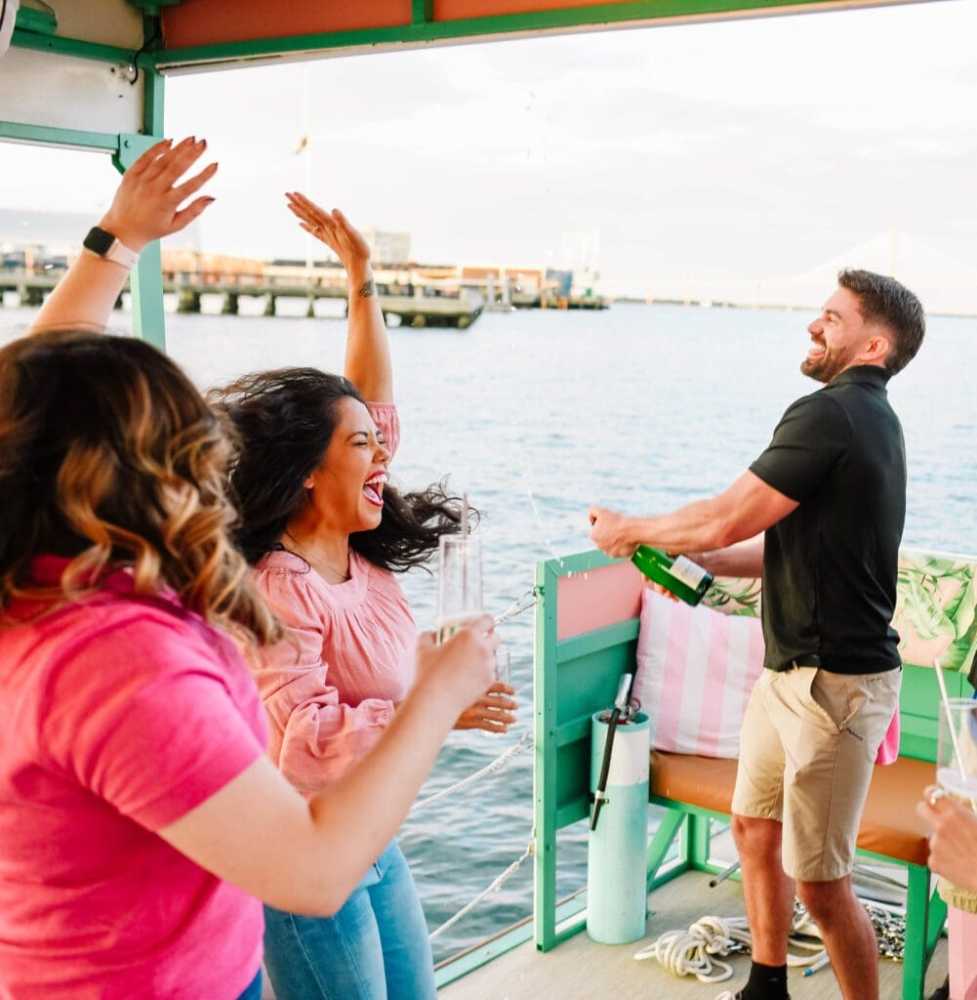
column 578, row 676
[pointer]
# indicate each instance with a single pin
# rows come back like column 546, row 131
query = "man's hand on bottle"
column 611, row 532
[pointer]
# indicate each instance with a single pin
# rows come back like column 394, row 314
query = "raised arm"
column 146, row 207
column 258, row 833
column 368, row 365
column 741, row 512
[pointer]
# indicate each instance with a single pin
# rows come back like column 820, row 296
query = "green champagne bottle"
column 682, row 577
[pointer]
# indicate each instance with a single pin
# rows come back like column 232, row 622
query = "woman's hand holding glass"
column 494, row 712
column 460, row 669
column 953, row 842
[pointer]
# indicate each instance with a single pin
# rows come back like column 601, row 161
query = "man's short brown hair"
column 883, row 300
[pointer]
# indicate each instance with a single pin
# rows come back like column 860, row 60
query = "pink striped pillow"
column 696, row 669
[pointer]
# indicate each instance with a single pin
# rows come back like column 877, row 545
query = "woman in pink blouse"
column 326, row 534
column 140, row 819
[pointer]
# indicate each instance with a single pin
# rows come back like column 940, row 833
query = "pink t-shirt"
column 331, row 685
column 120, row 715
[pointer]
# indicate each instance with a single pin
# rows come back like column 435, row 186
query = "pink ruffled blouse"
column 331, row 685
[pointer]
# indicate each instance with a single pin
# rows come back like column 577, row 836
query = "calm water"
column 642, row 408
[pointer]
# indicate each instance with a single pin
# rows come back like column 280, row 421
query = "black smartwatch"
column 104, row 244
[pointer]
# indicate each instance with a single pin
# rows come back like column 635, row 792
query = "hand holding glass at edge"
column 460, row 600
column 950, row 806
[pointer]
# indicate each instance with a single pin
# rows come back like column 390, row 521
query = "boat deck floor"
column 579, row 969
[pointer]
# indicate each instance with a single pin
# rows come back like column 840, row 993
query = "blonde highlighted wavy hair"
column 110, row 456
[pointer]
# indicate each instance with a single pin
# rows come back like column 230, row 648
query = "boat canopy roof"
column 200, row 33
column 89, row 74
column 88, row 66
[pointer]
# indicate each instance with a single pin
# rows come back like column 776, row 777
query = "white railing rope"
column 497, row 765
column 496, row 884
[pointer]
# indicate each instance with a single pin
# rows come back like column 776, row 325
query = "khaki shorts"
column 807, row 750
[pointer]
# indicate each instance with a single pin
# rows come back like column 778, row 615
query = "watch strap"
column 104, row 244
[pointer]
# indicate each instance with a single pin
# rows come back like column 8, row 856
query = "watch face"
column 99, row 241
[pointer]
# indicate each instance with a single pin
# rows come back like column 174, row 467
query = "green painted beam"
column 600, row 639
column 146, row 280
column 39, row 21
column 105, row 142
column 545, row 822
column 466, row 961
column 152, row 7
column 146, row 283
column 74, row 47
column 486, row 951
column 153, row 106
column 660, row 846
column 422, row 11
column 575, row 731
column 421, row 30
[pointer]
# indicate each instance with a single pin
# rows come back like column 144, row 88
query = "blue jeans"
column 253, row 992
column 375, row 948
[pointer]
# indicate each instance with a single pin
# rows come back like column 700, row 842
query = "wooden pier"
column 415, row 305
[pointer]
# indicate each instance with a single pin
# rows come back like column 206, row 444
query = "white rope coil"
column 497, row 884
column 699, row 950
column 497, row 765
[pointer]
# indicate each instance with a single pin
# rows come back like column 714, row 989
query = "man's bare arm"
column 742, row 559
column 741, row 512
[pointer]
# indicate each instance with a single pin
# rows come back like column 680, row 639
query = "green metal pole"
column 146, row 282
column 917, row 921
column 422, row 11
column 661, row 844
column 544, row 775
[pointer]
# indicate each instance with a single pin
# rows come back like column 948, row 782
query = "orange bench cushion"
column 890, row 825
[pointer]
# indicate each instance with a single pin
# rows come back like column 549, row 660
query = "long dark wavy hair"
column 109, row 456
column 284, row 420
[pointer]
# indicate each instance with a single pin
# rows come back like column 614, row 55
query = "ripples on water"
column 640, row 408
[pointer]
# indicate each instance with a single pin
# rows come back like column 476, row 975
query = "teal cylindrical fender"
column 616, row 851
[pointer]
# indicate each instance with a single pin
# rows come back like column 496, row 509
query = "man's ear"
column 878, row 347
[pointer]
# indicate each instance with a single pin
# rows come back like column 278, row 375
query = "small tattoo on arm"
column 367, row 289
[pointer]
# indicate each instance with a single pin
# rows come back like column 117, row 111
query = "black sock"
column 766, row 982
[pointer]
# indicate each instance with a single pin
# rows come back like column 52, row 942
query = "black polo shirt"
column 830, row 567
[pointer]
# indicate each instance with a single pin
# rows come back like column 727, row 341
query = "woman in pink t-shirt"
column 140, row 819
column 327, row 535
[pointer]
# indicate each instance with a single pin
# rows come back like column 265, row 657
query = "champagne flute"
column 503, row 666
column 956, row 755
column 459, row 583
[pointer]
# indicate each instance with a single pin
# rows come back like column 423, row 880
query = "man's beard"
column 826, row 367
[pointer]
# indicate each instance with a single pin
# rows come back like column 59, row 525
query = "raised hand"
column 331, row 228
column 492, row 713
column 147, row 203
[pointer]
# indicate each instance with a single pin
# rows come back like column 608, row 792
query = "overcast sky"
column 742, row 149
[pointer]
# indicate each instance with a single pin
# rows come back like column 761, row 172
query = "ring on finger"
column 934, row 795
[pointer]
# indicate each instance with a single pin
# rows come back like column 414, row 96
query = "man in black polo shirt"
column 819, row 516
